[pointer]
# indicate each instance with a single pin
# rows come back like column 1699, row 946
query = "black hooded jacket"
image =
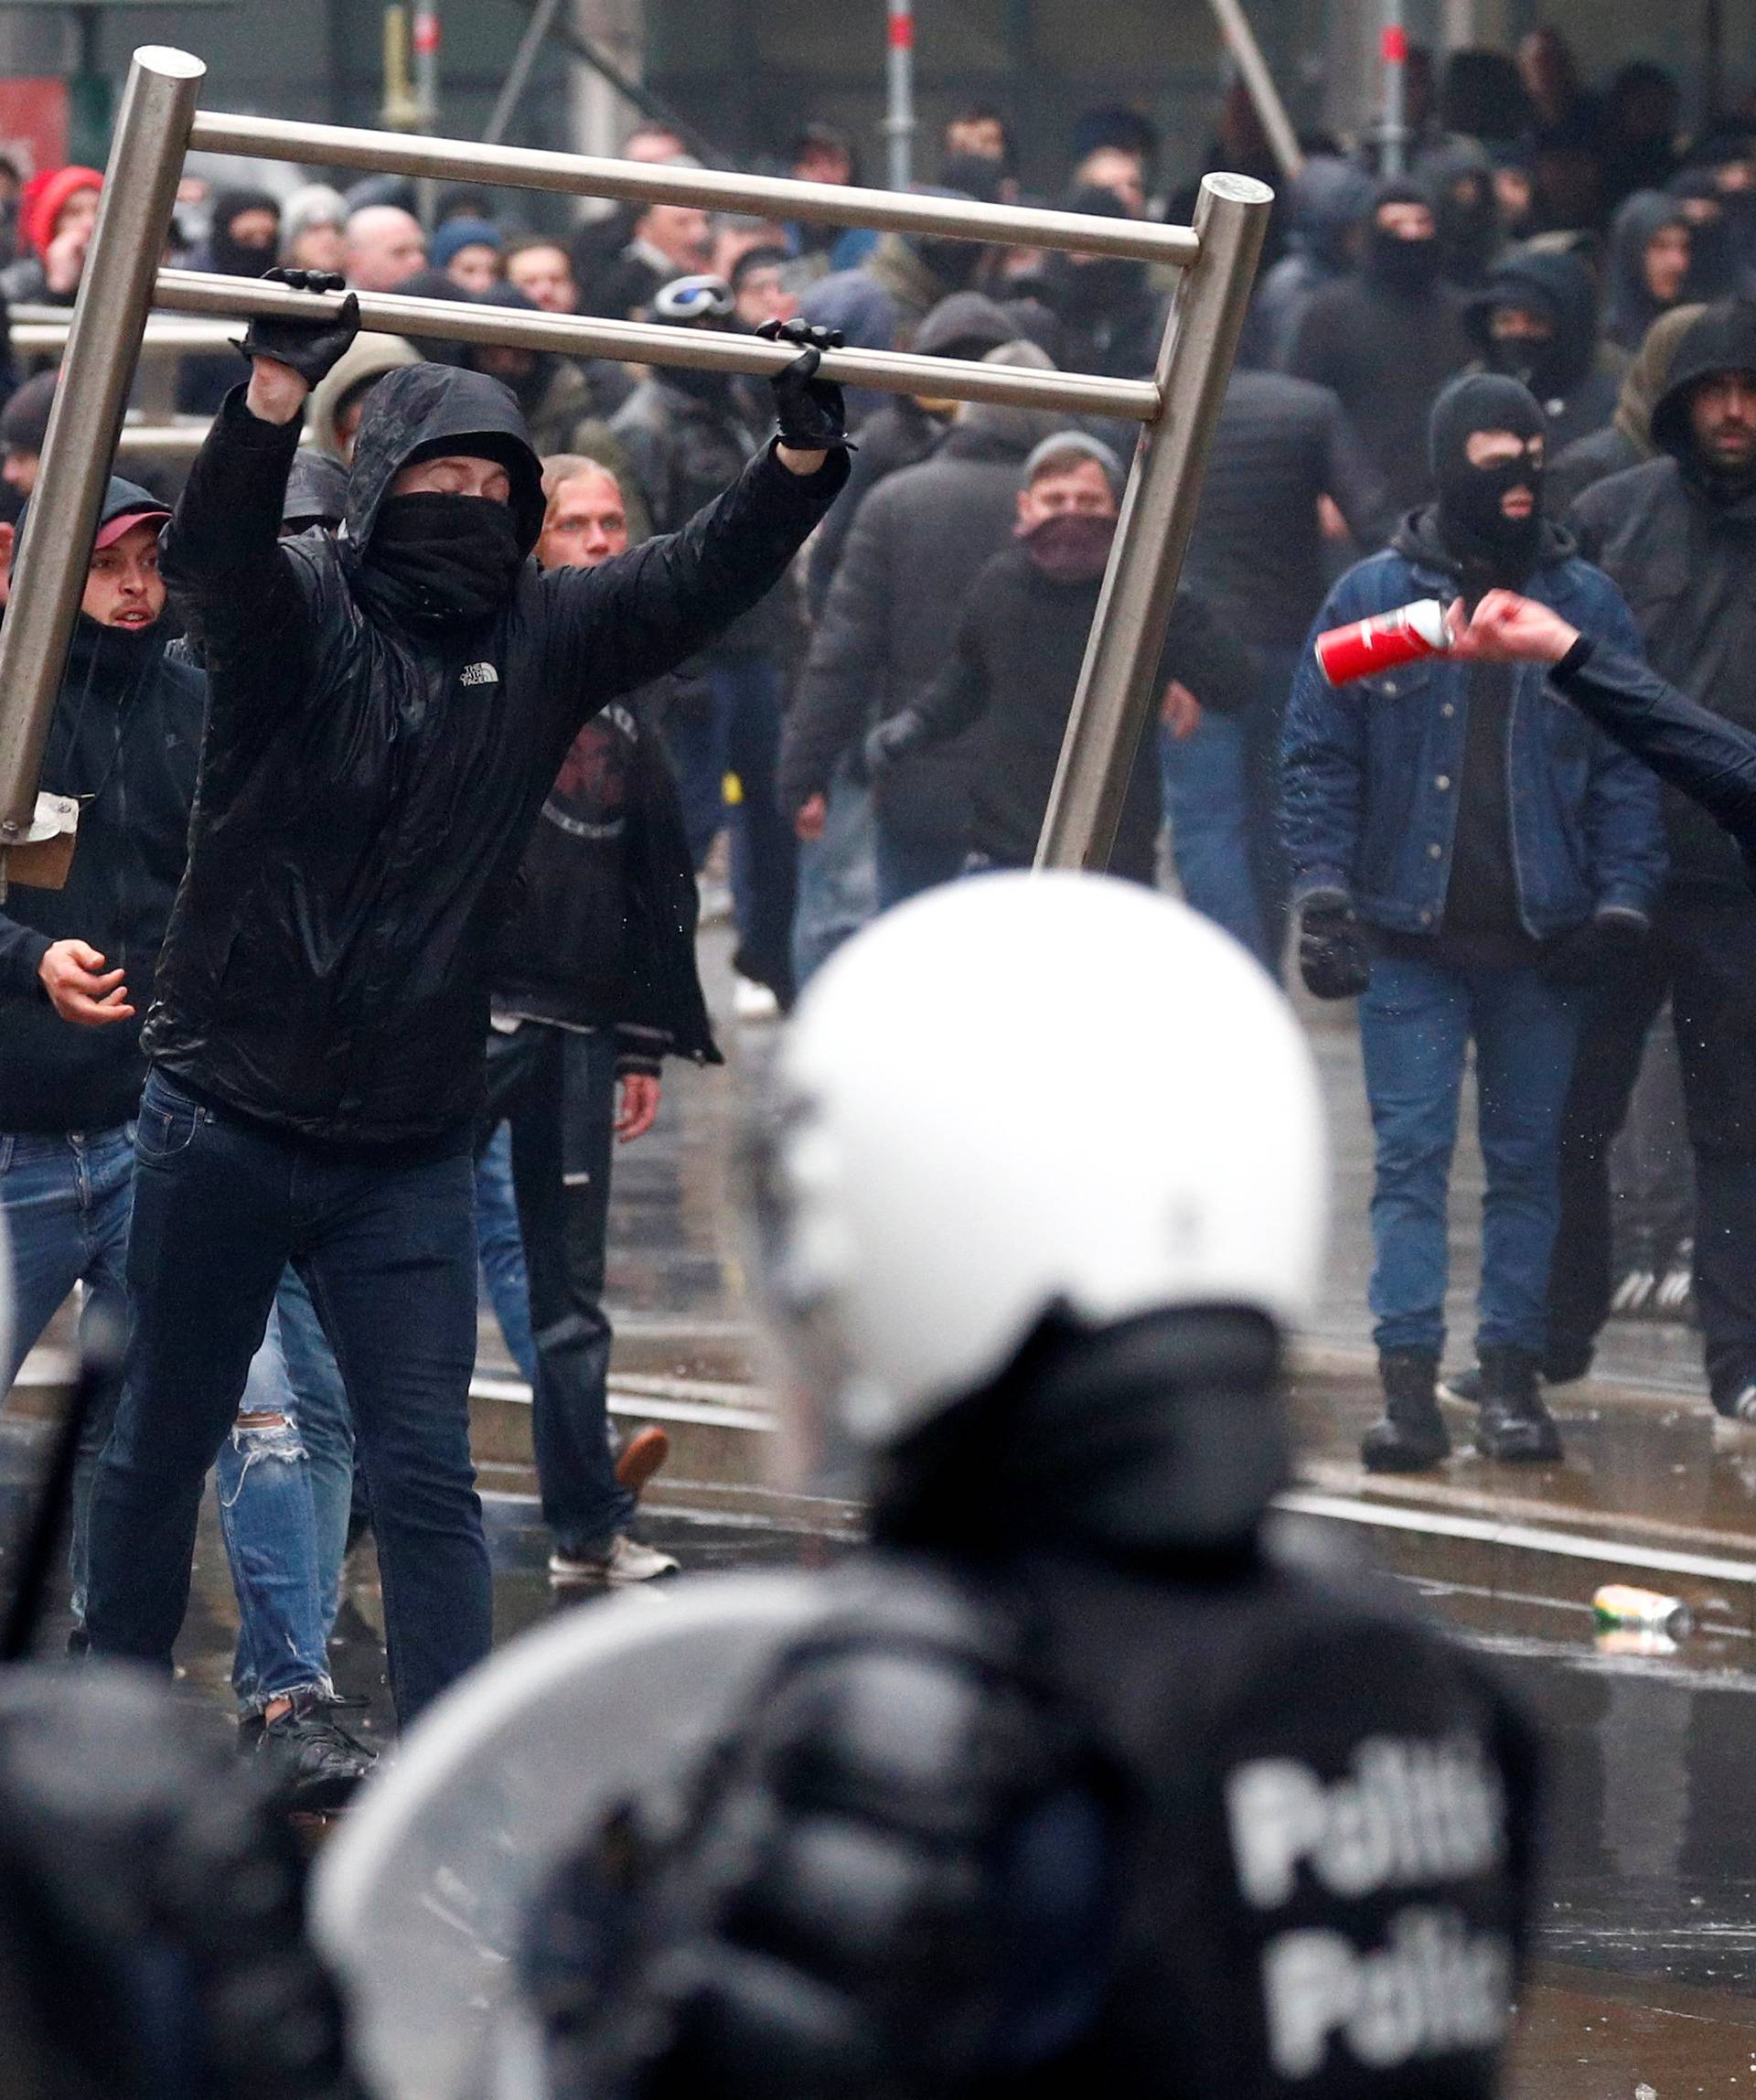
column 1578, row 394
column 1683, row 552
column 1088, row 1773
column 1629, row 306
column 124, row 739
column 1385, row 352
column 367, row 792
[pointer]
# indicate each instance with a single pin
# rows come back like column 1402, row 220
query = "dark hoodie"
column 1459, row 175
column 124, row 739
column 900, row 433
column 1629, row 306
column 1385, row 345
column 1331, row 198
column 1682, row 546
column 1627, row 439
column 1578, row 395
column 367, row 787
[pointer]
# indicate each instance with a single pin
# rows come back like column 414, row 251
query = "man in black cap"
column 389, row 708
column 1465, row 854
column 1678, row 535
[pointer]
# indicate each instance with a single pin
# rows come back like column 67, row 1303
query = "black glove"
column 893, row 738
column 312, row 347
column 1589, row 954
column 1333, row 958
column 813, row 415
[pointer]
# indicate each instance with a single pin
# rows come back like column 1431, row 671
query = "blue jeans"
column 907, row 866
column 67, row 1201
column 1222, row 794
column 286, row 1487
column 556, row 1089
column 500, row 1247
column 742, row 736
column 388, row 1253
column 1417, row 1022
column 837, row 884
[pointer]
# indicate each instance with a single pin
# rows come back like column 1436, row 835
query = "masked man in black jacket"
column 388, row 711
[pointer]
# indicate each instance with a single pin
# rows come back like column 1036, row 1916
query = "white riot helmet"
column 1020, row 1090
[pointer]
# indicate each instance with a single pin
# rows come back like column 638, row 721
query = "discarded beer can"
column 1621, row 1606
column 1383, row 642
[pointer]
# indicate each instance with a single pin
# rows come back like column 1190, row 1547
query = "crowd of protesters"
column 1528, row 365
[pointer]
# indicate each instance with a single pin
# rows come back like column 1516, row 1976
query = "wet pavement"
column 1647, row 1923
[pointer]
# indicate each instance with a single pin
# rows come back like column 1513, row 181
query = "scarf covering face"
column 1071, row 547
column 1492, row 549
column 437, row 561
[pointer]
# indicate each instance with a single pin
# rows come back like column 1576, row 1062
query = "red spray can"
column 1384, row 641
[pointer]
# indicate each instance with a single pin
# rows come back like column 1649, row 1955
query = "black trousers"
column 557, row 1090
column 1703, row 953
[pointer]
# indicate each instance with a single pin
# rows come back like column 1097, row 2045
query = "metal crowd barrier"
column 1177, row 408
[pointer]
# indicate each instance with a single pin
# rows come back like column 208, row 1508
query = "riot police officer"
column 1073, row 1783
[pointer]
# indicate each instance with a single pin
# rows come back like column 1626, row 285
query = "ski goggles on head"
column 699, row 298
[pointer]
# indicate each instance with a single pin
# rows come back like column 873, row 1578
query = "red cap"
column 112, row 529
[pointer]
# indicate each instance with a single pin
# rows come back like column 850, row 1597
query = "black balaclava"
column 533, row 382
column 233, row 258
column 1492, row 551
column 436, row 562
column 1391, row 263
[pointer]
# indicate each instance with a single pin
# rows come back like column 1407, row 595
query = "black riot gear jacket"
column 1073, row 1788
column 368, row 788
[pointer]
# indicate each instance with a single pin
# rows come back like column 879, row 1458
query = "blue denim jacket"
column 1371, row 769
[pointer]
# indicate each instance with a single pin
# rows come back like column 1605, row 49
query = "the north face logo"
column 478, row 674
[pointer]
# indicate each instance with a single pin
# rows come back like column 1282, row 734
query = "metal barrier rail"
column 700, row 350
column 1178, row 409
column 35, row 333
column 641, row 182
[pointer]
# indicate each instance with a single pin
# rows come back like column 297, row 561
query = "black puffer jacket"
column 124, row 739
column 1257, row 553
column 367, row 794
column 1682, row 549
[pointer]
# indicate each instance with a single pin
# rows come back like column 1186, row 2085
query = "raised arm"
column 615, row 627
column 229, row 576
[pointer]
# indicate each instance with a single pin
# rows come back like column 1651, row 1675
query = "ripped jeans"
column 285, row 1488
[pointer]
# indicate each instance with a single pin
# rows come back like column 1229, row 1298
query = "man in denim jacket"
column 1466, row 855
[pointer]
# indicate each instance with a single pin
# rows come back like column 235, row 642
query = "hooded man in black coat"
column 388, row 709
column 1387, row 340
column 1535, row 322
column 1678, row 536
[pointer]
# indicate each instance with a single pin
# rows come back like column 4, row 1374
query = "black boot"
column 1514, row 1424
column 1411, row 1436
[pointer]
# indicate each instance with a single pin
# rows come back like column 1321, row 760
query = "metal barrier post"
column 1118, row 683
column 139, row 188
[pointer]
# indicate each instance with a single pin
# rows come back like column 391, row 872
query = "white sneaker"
column 627, row 1561
column 753, row 1002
